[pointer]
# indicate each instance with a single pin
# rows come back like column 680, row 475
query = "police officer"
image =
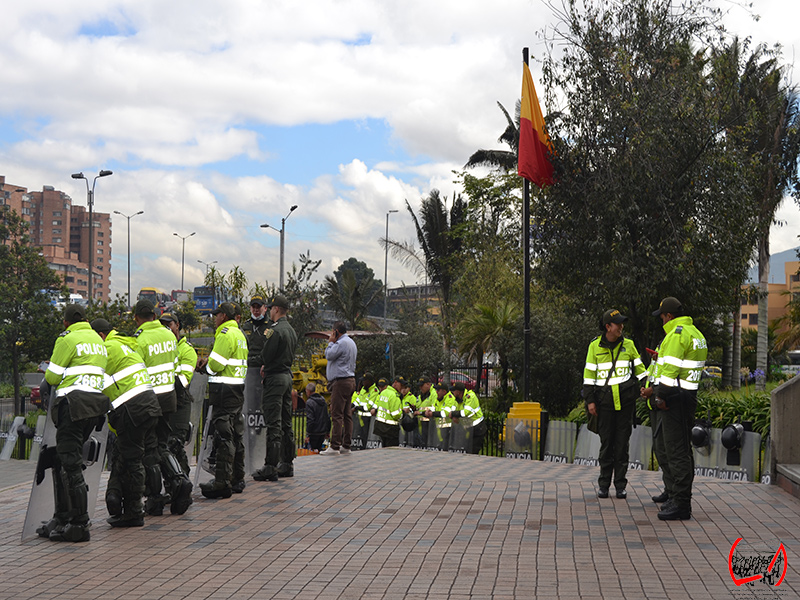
column 77, row 368
column 277, row 357
column 362, row 403
column 159, row 350
column 659, row 448
column 681, row 358
column 468, row 406
column 227, row 368
column 445, row 403
column 610, row 388
column 427, row 398
column 387, row 413
column 179, row 421
column 135, row 411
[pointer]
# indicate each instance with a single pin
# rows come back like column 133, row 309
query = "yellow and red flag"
column 534, row 144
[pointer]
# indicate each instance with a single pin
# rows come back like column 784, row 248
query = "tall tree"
column 362, row 272
column 651, row 199
column 302, row 292
column 351, row 299
column 29, row 324
column 439, row 234
column 505, row 160
column 237, row 283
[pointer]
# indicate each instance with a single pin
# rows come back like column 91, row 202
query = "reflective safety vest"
column 227, row 362
column 471, row 407
column 362, row 398
column 389, row 407
column 444, row 407
column 126, row 375
column 78, row 362
column 427, row 402
column 599, row 360
column 187, row 361
column 652, row 377
column 682, row 355
column 159, row 349
column 411, row 401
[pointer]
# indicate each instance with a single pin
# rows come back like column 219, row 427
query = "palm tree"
column 502, row 159
column 490, row 328
column 352, row 298
column 439, row 235
column 237, row 282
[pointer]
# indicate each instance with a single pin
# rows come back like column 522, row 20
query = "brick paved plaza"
column 402, row 523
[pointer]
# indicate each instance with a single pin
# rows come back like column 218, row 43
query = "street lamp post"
column 386, row 270
column 90, row 202
column 281, row 230
column 183, row 251
column 129, row 217
column 207, row 264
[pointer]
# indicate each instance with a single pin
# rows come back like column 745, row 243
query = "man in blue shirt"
column 341, row 355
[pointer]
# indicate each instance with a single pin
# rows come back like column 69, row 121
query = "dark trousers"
column 341, row 412
column 478, row 433
column 660, row 448
column 315, row 440
column 70, row 436
column 277, row 406
column 180, row 430
column 127, row 455
column 226, row 422
column 615, row 433
column 676, row 427
column 389, row 434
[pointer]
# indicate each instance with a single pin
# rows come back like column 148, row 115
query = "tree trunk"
column 763, row 313
column 727, row 355
column 736, row 358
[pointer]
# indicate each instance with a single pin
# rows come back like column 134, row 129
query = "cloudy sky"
column 217, row 117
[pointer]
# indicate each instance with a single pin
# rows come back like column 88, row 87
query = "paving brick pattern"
column 402, row 523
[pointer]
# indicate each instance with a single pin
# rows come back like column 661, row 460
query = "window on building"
column 99, row 234
column 753, row 319
column 99, row 251
column 744, row 317
column 56, row 221
column 56, row 213
column 99, row 259
column 56, row 240
column 795, row 278
column 99, row 242
column 69, row 279
column 56, row 232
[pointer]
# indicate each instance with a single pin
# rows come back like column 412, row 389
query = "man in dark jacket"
column 318, row 421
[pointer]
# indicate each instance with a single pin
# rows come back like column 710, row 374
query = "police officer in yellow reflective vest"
column 468, row 406
column 610, row 388
column 135, row 411
column 681, row 358
column 387, row 413
column 659, row 448
column 77, row 369
column 159, row 350
column 227, row 368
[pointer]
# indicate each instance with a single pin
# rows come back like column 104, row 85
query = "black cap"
column 101, row 326
column 257, row 299
column 402, row 381
column 225, row 308
column 441, row 386
column 168, row 317
column 73, row 313
column 144, row 308
column 669, row 305
column 613, row 316
column 279, row 301
column 369, row 376
column 383, row 382
column 423, row 380
column 459, row 385
column 237, row 310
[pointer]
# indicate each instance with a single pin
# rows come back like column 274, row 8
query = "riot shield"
column 204, row 470
column 766, row 465
column 11, row 438
column 438, row 435
column 36, row 446
column 707, row 458
column 461, row 436
column 587, row 448
column 373, row 441
column 360, row 430
column 560, row 444
column 522, row 438
column 42, row 503
column 640, row 448
column 746, row 469
column 197, row 389
column 255, row 427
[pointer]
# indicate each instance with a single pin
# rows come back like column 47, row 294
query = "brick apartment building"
column 61, row 229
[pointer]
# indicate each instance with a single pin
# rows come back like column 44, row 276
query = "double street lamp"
column 207, row 264
column 386, row 270
column 281, row 230
column 129, row 217
column 90, row 202
column 183, row 251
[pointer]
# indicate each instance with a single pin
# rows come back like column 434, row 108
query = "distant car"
column 36, row 397
column 712, row 371
column 457, row 376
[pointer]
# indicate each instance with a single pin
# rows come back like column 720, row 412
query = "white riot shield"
column 204, row 471
column 42, row 502
column 36, row 446
column 707, row 458
column 197, row 389
column 746, row 469
column 255, row 427
column 373, row 441
column 438, row 435
column 461, row 436
column 360, row 430
column 11, row 438
column 640, row 448
column 766, row 465
column 522, row 438
column 587, row 448
column 560, row 444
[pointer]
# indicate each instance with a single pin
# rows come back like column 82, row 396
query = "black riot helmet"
column 701, row 434
column 408, row 422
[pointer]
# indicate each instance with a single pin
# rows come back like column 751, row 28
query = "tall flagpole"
column 526, row 270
